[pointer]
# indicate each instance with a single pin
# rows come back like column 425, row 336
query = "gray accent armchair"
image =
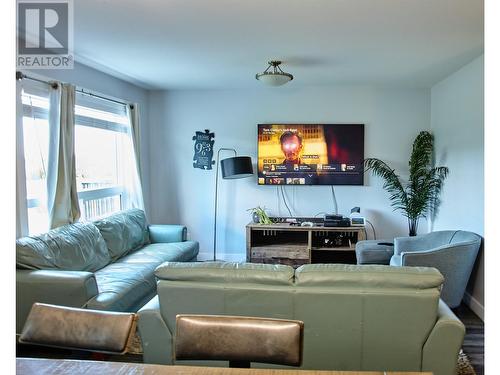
column 453, row 253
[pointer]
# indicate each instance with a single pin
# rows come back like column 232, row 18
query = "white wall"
column 183, row 194
column 457, row 121
column 96, row 81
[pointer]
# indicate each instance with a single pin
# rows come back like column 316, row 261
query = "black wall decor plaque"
column 203, row 149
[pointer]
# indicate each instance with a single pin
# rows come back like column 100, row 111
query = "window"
column 103, row 146
column 35, row 102
column 106, row 173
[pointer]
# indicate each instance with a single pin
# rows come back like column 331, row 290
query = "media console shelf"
column 295, row 245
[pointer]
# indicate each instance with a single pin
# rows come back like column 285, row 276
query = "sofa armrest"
column 155, row 336
column 440, row 351
column 430, row 257
column 167, row 233
column 66, row 288
column 407, row 244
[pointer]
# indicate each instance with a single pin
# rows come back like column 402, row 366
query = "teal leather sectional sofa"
column 105, row 265
column 355, row 317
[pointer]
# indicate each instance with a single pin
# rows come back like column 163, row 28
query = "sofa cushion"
column 123, row 286
column 124, row 232
column 368, row 276
column 130, row 282
column 227, row 272
column 75, row 247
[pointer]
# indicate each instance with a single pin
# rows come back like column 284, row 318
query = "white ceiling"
column 187, row 44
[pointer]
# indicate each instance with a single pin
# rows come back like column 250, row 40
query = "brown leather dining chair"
column 239, row 340
column 79, row 329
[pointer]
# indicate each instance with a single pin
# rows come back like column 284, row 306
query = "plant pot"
column 255, row 218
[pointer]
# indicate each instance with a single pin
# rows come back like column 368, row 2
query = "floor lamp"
column 232, row 168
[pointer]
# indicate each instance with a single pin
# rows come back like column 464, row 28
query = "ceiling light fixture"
column 274, row 76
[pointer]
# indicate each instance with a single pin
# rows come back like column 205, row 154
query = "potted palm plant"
column 419, row 196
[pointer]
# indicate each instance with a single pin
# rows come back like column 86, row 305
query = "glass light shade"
column 274, row 79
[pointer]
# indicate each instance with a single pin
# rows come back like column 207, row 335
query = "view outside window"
column 36, row 152
column 100, row 136
column 96, row 165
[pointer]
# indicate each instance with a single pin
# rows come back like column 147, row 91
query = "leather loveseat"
column 370, row 318
column 104, row 265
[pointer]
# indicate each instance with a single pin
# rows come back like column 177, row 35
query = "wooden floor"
column 473, row 345
column 474, row 337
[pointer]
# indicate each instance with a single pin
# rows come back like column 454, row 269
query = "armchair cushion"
column 75, row 247
column 124, row 232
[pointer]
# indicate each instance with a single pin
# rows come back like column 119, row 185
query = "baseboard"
column 474, row 305
column 229, row 257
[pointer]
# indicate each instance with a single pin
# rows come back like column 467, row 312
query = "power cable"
column 278, row 200
column 284, row 201
column 336, row 208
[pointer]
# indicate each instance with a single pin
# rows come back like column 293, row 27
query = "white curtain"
column 131, row 163
column 133, row 116
column 61, row 175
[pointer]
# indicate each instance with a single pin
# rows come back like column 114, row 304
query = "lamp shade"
column 236, row 167
column 273, row 75
column 274, row 79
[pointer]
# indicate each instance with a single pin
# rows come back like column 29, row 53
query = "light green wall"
column 457, row 121
column 183, row 194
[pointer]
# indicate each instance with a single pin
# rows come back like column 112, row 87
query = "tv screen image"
column 310, row 154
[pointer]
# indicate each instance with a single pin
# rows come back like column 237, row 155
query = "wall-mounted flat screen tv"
column 310, row 154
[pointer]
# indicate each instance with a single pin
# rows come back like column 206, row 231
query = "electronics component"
column 357, row 221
